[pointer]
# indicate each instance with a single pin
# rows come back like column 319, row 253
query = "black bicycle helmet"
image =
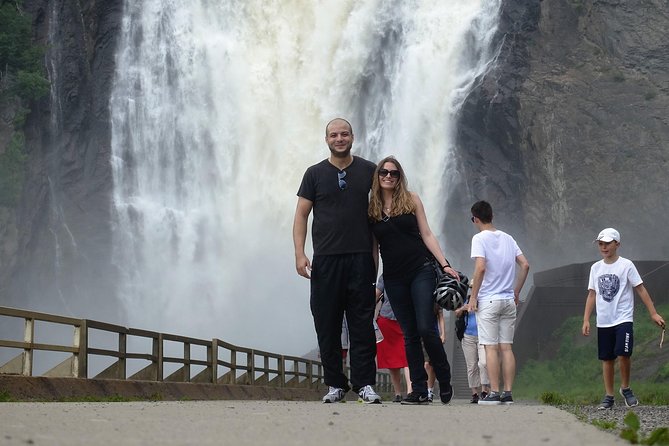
column 450, row 294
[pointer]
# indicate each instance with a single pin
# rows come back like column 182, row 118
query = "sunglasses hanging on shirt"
column 340, row 179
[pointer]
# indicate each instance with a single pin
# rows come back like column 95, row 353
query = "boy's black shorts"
column 615, row 341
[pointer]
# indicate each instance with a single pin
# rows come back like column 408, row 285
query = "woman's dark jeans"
column 411, row 297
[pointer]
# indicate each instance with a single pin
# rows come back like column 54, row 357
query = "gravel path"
column 650, row 417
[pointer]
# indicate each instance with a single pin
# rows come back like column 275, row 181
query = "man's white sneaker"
column 368, row 395
column 334, row 395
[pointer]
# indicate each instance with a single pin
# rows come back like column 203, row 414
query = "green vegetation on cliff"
column 21, row 61
column 21, row 80
column 12, row 165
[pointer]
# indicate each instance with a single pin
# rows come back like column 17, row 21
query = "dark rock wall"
column 489, row 137
column 568, row 133
column 63, row 258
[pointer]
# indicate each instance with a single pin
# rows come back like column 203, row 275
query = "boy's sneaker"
column 607, row 403
column 483, row 395
column 475, row 398
column 334, row 395
column 630, row 399
column 367, row 395
column 447, row 395
column 398, row 399
column 430, row 395
column 414, row 398
column 506, row 398
column 491, row 399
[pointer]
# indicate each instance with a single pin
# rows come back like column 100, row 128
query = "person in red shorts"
column 390, row 353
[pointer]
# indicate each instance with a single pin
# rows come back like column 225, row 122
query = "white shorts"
column 496, row 321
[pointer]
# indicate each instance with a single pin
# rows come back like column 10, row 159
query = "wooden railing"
column 218, row 362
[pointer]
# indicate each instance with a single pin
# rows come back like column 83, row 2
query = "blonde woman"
column 407, row 246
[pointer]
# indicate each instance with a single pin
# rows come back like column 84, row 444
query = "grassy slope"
column 574, row 375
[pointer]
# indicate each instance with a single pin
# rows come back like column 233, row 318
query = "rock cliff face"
column 63, row 221
column 565, row 135
column 568, row 133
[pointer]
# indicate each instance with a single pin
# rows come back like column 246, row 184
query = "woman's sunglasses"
column 393, row 173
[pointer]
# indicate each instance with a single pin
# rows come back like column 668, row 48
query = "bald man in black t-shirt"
column 343, row 271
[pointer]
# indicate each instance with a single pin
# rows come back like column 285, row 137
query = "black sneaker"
column 492, row 399
column 483, row 395
column 506, row 398
column 630, row 399
column 414, row 398
column 447, row 395
column 398, row 399
column 607, row 403
column 475, row 398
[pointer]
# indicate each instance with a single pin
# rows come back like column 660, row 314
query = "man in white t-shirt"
column 494, row 298
column 611, row 287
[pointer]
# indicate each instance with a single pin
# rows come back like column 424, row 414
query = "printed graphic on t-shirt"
column 609, row 284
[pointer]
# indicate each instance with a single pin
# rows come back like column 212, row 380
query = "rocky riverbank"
column 650, row 417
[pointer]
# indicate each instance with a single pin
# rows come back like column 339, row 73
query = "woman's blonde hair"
column 402, row 201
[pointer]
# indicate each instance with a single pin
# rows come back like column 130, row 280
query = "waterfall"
column 218, row 107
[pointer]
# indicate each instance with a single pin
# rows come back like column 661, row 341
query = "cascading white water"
column 219, row 106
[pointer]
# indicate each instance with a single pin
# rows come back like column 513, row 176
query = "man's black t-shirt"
column 340, row 224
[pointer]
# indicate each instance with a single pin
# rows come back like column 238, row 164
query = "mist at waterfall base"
column 217, row 110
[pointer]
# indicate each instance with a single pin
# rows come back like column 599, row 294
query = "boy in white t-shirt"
column 495, row 291
column 611, row 291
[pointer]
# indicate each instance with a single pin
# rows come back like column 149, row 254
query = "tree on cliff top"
column 21, row 79
column 21, row 61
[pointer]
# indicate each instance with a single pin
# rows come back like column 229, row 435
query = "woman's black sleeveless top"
column 402, row 248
